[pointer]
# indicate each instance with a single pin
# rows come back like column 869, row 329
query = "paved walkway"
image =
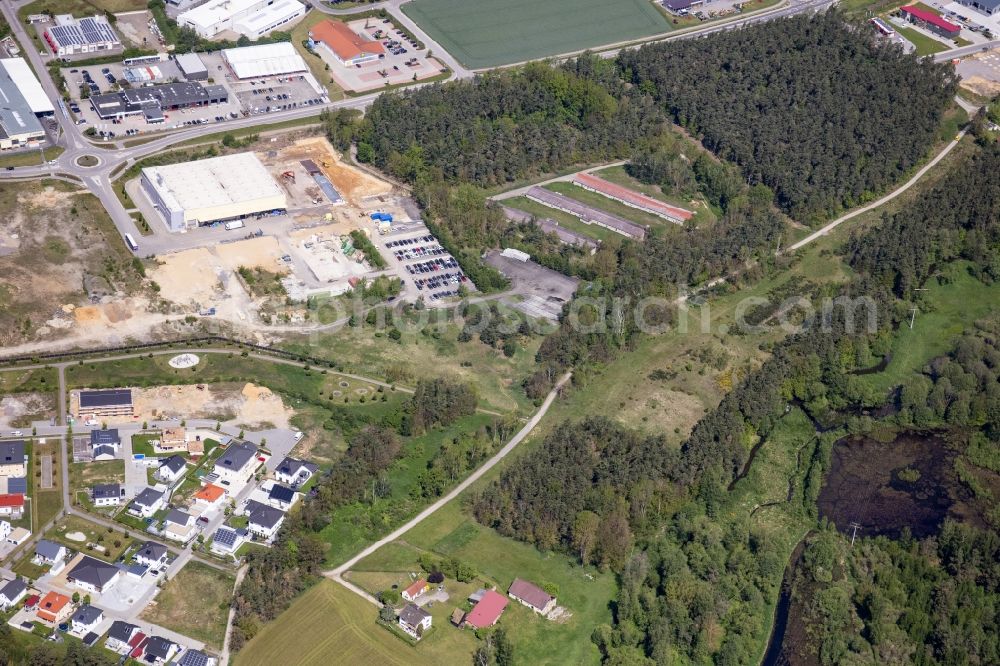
column 337, row 573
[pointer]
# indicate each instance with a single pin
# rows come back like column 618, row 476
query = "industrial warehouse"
column 70, row 36
column 264, row 60
column 152, row 101
column 252, row 18
column 212, row 190
column 21, row 102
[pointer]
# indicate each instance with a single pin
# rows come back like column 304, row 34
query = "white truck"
column 235, row 224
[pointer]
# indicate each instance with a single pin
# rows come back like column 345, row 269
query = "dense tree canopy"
column 823, row 114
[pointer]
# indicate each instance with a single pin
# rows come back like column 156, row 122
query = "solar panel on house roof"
column 17, row 484
column 225, row 536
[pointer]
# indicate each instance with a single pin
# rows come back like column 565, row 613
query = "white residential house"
column 237, row 463
column 146, row 503
column 414, row 620
column 12, row 592
column 49, row 553
column 227, row 540
column 293, row 472
column 18, row 535
column 107, row 494
column 85, row 619
column 281, row 497
column 178, row 525
column 93, row 575
column 171, row 469
column 159, row 650
column 119, row 635
column 265, row 522
column 152, row 554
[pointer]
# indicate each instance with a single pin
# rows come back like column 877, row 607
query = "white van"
column 235, row 224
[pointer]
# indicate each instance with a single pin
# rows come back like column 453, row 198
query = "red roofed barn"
column 532, row 596
column 487, row 611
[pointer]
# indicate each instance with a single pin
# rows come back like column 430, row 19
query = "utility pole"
column 854, row 534
column 913, row 310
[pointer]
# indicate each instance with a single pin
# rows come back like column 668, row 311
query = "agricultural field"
column 481, row 34
column 326, row 620
column 195, row 603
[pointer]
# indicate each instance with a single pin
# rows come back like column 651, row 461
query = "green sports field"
column 483, row 33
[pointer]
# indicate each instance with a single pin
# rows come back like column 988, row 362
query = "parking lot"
column 404, row 60
column 416, row 256
column 545, row 291
column 246, row 97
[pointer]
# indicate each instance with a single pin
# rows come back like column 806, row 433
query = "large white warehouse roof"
column 215, row 12
column 264, row 60
column 217, row 188
column 22, row 76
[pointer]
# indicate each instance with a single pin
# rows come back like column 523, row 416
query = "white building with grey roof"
column 196, row 193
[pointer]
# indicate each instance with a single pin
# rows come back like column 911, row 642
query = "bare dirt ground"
column 55, row 244
column 981, row 86
column 354, row 185
column 247, row 404
column 18, row 410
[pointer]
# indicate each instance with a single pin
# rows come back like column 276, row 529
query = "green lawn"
column 585, row 592
column 947, row 310
column 925, row 45
column 86, row 474
column 195, row 602
column 486, row 34
column 31, row 157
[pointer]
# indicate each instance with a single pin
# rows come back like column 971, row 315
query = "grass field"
column 947, row 311
column 84, row 475
column 585, row 592
column 329, row 624
column 31, row 157
column 925, row 45
column 195, row 602
column 114, row 543
column 45, row 504
column 501, row 32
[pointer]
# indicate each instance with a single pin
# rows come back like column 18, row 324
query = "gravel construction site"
column 60, row 253
column 248, row 404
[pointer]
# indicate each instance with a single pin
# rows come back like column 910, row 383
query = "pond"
column 884, row 487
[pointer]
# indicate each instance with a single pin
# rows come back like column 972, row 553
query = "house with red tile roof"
column 418, row 587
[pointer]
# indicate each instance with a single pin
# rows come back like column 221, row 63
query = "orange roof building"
column 348, row 47
column 415, row 590
column 53, row 607
column 210, row 494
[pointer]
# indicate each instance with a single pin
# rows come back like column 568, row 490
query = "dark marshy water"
column 884, row 487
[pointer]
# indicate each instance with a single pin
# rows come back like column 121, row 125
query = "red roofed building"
column 487, row 611
column 415, row 590
column 138, row 645
column 930, row 21
column 12, row 504
column 346, row 46
column 632, row 198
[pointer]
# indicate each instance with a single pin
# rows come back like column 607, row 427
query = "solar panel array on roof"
column 106, row 398
column 84, row 32
column 17, row 484
column 225, row 536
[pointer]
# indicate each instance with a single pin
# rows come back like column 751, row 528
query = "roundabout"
column 88, row 161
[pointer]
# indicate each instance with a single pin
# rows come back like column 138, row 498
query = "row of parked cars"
column 410, row 241
column 440, row 280
column 420, row 251
column 433, row 265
